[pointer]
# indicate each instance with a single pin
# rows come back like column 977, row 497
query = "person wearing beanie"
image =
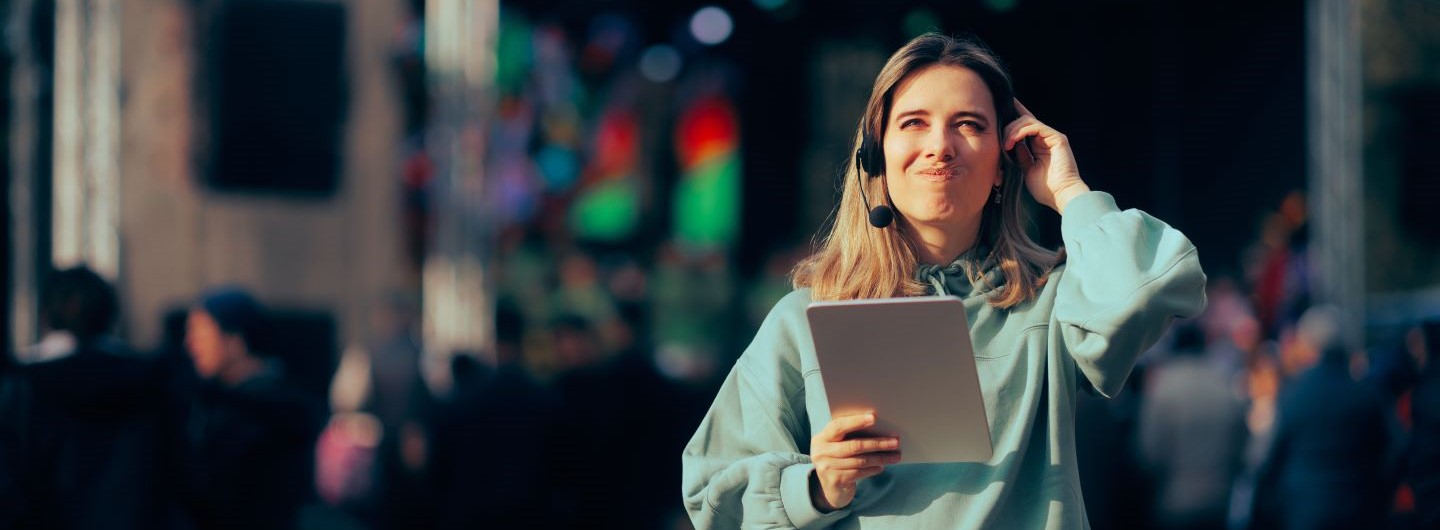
column 252, row 433
column 220, row 331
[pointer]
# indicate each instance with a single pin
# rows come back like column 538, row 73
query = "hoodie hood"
column 971, row 274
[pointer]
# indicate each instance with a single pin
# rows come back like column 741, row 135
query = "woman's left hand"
column 1047, row 163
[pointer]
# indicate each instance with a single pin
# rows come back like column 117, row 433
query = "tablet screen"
column 910, row 361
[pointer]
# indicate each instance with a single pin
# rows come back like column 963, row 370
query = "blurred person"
column 376, row 392
column 1260, row 383
column 1232, row 333
column 637, row 413
column 402, row 403
column 1293, row 354
column 692, row 303
column 1280, row 268
column 588, row 391
column 252, row 433
column 397, row 392
column 629, row 284
column 1423, row 465
column 582, row 293
column 87, row 433
column 493, row 456
column 947, row 151
column 1192, row 436
column 1243, row 339
column 1117, row 490
column 1326, row 465
column 575, row 342
column 525, row 272
column 1392, row 369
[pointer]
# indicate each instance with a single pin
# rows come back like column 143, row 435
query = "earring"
column 996, row 193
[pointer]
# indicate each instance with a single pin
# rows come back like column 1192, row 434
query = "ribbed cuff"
column 1083, row 211
column 795, row 495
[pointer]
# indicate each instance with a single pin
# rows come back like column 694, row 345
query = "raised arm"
column 1128, row 275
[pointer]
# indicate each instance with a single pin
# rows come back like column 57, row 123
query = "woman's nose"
column 939, row 145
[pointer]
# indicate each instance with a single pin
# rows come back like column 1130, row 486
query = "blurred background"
column 480, row 263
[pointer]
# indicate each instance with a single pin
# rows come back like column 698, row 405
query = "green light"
column 921, row 21
column 1001, row 5
column 608, row 211
column 707, row 202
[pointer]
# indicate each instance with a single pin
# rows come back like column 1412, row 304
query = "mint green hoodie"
column 1127, row 276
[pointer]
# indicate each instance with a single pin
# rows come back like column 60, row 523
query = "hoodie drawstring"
column 935, row 275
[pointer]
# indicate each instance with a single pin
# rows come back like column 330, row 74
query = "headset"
column 871, row 158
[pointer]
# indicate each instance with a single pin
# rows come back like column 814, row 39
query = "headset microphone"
column 880, row 216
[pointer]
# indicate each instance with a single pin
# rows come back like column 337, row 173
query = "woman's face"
column 942, row 147
column 206, row 343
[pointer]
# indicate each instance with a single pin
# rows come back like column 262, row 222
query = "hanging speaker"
column 277, row 96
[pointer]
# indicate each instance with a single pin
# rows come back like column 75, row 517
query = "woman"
column 945, row 142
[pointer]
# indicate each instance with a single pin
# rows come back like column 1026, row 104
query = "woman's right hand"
column 840, row 463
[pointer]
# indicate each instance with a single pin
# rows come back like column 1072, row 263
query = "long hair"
column 857, row 260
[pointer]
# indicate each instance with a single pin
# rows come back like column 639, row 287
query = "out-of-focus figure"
column 251, row 431
column 1107, row 443
column 1326, row 464
column 1192, row 436
column 1424, row 457
column 87, row 436
column 492, row 453
column 1278, row 265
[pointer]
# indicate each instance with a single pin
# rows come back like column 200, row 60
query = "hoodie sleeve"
column 1127, row 277
column 746, row 464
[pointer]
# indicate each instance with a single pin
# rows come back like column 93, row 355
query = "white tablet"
column 910, row 361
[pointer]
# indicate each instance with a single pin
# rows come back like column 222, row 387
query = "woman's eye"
column 912, row 122
column 973, row 126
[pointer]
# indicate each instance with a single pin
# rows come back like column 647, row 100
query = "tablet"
column 910, row 361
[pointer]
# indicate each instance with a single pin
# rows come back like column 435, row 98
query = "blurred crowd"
column 1263, row 414
column 1259, row 414
column 602, row 365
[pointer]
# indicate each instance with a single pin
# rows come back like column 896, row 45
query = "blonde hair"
column 856, row 260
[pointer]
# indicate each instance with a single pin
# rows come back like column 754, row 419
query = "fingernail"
column 892, row 443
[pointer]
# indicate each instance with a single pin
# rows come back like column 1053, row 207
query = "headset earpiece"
column 870, row 157
column 872, row 162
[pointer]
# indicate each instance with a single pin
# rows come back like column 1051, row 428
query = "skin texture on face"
column 206, row 344
column 942, row 150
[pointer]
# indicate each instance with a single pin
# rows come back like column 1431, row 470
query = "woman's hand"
column 840, row 463
column 1046, row 160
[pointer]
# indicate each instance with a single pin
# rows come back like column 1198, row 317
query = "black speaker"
column 1419, row 169
column 277, row 96
column 307, row 342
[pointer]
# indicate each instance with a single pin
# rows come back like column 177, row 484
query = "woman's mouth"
column 937, row 174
